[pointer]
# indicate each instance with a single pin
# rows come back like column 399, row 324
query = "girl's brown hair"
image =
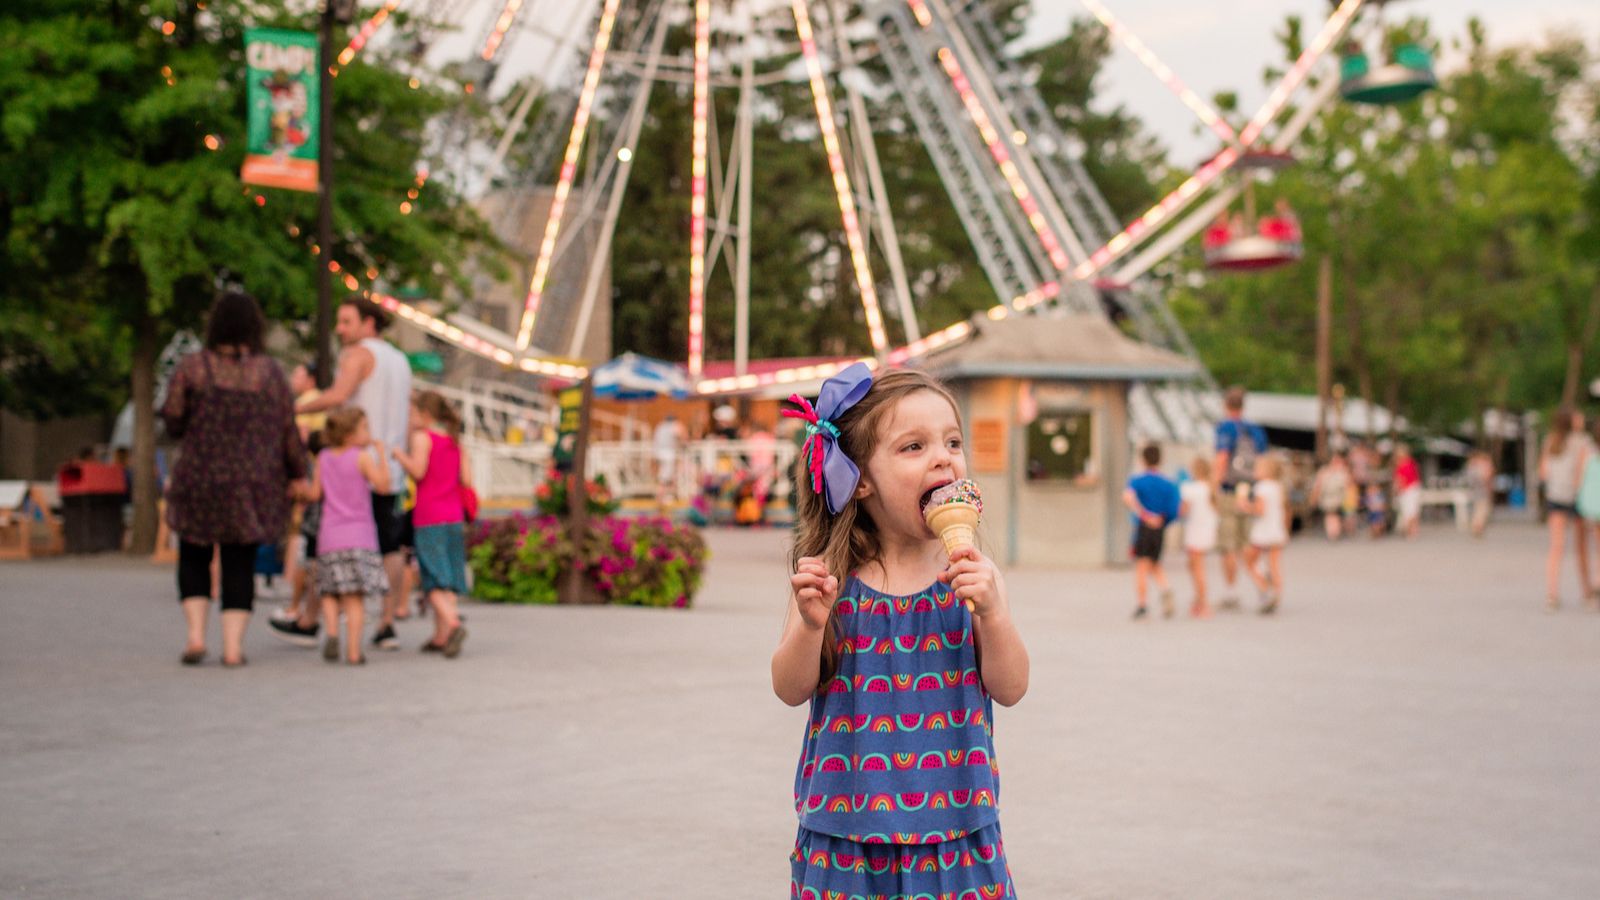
column 439, row 410
column 342, row 423
column 1561, row 429
column 849, row 540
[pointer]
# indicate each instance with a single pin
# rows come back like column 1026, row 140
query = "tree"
column 1461, row 226
column 121, row 138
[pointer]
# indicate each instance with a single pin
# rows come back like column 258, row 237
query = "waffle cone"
column 956, row 524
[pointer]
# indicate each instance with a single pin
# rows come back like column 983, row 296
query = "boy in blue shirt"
column 1154, row 500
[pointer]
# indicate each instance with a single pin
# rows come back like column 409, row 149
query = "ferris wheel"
column 1041, row 230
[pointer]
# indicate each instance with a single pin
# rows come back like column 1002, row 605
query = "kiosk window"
column 1060, row 446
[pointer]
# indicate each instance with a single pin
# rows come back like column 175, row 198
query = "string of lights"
column 841, row 180
column 569, row 170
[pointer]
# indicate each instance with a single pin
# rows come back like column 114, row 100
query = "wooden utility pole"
column 1324, row 352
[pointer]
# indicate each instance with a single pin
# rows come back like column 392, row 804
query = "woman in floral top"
column 230, row 408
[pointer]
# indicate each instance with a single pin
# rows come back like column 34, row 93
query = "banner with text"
column 284, row 82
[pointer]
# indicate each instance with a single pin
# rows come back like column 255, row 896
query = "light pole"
column 333, row 12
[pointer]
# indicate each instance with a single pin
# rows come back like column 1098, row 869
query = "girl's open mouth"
column 927, row 495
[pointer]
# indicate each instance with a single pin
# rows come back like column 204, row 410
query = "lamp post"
column 340, row 12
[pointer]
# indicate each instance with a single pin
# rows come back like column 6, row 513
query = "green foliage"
column 1461, row 232
column 550, row 497
column 114, row 209
column 637, row 562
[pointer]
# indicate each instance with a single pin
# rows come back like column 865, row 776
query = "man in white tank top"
column 375, row 377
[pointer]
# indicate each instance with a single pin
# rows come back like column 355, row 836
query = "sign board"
column 988, row 445
column 570, row 401
column 283, row 77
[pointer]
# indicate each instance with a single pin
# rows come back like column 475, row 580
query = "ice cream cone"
column 956, row 524
column 953, row 513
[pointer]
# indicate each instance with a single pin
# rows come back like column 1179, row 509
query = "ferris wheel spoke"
column 1195, row 102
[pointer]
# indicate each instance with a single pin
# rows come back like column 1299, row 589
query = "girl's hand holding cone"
column 975, row 581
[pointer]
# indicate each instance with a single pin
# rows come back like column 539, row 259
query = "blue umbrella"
column 634, row 377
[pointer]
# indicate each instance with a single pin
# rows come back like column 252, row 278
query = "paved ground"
column 1412, row 725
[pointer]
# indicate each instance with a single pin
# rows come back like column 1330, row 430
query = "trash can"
column 92, row 495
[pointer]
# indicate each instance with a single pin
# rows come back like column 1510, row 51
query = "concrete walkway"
column 1411, row 725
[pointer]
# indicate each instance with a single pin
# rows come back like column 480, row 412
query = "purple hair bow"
column 832, row 473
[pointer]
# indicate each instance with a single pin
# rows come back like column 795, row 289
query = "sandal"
column 192, row 657
column 234, row 664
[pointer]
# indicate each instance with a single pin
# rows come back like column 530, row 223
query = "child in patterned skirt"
column 349, row 569
column 897, row 788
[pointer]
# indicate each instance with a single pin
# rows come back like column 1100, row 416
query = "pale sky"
column 1213, row 50
column 1212, row 46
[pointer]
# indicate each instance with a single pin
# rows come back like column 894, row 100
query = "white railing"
column 630, row 467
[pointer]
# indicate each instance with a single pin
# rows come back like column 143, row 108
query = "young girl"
column 897, row 773
column 1200, row 520
column 349, row 569
column 1561, row 470
column 436, row 464
column 1269, row 531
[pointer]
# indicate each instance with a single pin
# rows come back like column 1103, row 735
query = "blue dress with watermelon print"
column 897, row 788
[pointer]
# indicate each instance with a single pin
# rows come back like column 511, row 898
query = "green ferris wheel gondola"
column 1408, row 76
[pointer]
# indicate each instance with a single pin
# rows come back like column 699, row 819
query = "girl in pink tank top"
column 435, row 462
column 349, row 569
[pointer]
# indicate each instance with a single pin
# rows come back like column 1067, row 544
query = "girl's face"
column 919, row 448
column 361, row 436
column 1263, row 469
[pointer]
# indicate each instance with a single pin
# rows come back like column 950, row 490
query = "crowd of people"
column 1232, row 503
column 268, row 460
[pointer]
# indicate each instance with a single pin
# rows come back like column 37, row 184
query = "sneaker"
column 386, row 639
column 1271, row 605
column 1140, row 613
column 294, row 633
column 1552, row 604
column 452, row 644
column 1167, row 608
column 431, row 647
column 330, row 649
column 1229, row 602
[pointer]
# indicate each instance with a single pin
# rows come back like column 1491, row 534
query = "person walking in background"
column 229, row 406
column 1561, row 468
column 1269, row 530
column 303, row 386
column 1198, row 509
column 1588, row 502
column 435, row 462
column 376, row 378
column 1155, row 502
column 1239, row 445
column 1480, row 488
column 667, row 441
column 349, row 570
column 1329, row 492
column 1407, row 493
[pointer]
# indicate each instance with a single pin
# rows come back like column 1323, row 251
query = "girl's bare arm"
column 375, row 469
column 797, row 663
column 416, row 462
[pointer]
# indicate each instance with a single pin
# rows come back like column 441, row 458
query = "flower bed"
column 642, row 562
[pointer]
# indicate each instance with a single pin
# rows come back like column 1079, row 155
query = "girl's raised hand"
column 814, row 591
column 975, row 581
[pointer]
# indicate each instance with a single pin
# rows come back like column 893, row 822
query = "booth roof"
column 1081, row 347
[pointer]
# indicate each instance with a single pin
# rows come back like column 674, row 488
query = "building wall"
column 1077, row 524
